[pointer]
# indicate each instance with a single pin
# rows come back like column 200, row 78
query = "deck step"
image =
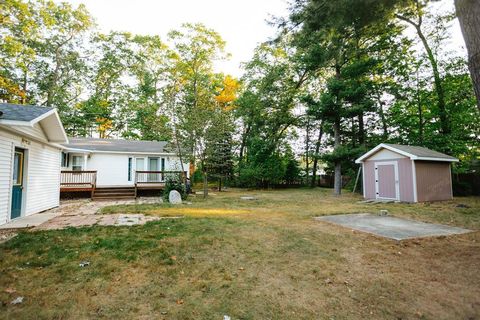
column 113, row 198
column 113, row 193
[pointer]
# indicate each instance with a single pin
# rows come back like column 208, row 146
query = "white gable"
column 385, row 154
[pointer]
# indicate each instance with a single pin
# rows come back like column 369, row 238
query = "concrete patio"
column 80, row 213
column 391, row 227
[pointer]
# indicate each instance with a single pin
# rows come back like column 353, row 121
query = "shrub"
column 174, row 182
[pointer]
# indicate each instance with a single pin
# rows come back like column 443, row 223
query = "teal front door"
column 17, row 179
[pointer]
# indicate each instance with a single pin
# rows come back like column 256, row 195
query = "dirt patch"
column 7, row 234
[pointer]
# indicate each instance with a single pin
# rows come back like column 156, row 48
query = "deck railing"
column 78, row 180
column 155, row 179
column 156, row 176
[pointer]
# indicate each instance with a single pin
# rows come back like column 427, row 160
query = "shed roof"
column 413, row 152
column 117, row 145
column 18, row 112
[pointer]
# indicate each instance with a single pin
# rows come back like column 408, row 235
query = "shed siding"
column 369, row 179
column 405, row 178
column 42, row 169
column 433, row 181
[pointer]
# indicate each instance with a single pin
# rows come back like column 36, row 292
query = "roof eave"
column 61, row 134
column 385, row 146
column 437, row 159
column 16, row 123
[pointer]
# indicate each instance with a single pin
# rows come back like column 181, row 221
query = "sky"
column 242, row 24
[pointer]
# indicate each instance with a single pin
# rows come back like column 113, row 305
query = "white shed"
column 30, row 155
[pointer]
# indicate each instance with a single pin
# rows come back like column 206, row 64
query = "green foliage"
column 174, row 181
column 347, row 66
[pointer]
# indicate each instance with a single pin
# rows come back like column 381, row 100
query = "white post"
column 85, row 157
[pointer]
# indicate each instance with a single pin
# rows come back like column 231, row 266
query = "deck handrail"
column 75, row 177
column 154, row 176
column 78, row 180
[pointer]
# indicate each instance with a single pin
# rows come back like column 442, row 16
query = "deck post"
column 94, row 185
column 136, row 175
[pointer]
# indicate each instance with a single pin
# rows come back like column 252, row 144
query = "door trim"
column 397, row 184
column 23, row 171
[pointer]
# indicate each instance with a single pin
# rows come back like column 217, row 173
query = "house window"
column 130, row 169
column 77, row 163
column 65, row 159
column 140, row 164
column 153, row 166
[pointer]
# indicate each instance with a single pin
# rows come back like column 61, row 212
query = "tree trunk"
column 444, row 122
column 315, row 159
column 205, row 184
column 354, row 142
column 336, row 134
column 220, row 184
column 338, row 166
column 420, row 115
column 468, row 13
column 307, row 149
column 243, row 143
column 24, row 87
column 383, row 119
column 361, row 130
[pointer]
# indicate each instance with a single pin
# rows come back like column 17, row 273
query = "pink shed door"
column 386, row 180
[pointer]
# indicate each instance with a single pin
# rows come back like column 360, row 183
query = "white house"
column 30, row 154
column 113, row 164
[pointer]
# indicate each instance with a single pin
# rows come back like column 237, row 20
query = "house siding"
column 35, row 131
column 43, row 178
column 433, row 181
column 112, row 169
column 6, row 147
column 42, row 170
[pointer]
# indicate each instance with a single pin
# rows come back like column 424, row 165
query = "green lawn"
column 263, row 259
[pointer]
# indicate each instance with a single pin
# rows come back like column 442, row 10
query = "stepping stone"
column 248, row 198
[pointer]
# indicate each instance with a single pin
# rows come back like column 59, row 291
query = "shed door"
column 386, row 180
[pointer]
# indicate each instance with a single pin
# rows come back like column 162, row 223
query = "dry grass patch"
column 263, row 259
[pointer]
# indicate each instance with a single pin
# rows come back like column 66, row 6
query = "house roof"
column 16, row 116
column 413, row 152
column 18, row 112
column 116, row 145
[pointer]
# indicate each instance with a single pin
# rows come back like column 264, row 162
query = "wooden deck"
column 78, row 181
column 86, row 181
column 155, row 180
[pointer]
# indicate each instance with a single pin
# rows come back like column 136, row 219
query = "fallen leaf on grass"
column 17, row 300
column 180, row 301
column 10, row 290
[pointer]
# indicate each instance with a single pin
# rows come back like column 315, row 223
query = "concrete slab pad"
column 391, row 227
column 30, row 221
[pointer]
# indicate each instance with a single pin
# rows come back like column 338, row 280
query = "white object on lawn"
column 174, row 197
